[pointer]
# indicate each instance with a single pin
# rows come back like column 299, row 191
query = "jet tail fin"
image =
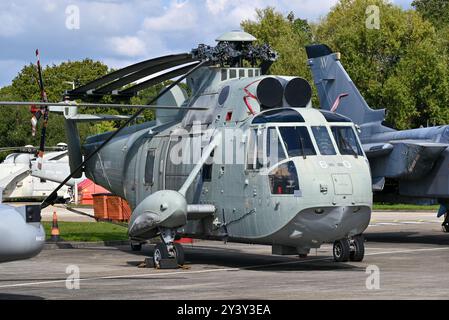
column 331, row 81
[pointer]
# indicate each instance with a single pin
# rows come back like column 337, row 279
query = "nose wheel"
column 349, row 249
column 341, row 250
column 357, row 245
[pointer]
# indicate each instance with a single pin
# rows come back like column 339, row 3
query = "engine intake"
column 298, row 92
column 270, row 93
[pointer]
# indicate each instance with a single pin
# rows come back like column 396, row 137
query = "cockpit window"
column 284, row 179
column 255, row 154
column 275, row 151
column 346, row 141
column 252, row 151
column 297, row 141
column 323, row 140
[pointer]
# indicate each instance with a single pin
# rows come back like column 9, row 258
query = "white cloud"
column 177, row 16
column 12, row 20
column 127, row 46
column 216, row 6
column 50, row 5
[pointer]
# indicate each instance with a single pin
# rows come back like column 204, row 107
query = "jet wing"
column 403, row 159
column 374, row 150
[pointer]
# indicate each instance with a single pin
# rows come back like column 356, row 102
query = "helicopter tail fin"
column 71, row 118
column 332, row 81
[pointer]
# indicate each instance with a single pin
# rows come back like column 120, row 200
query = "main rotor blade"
column 151, row 82
column 52, row 197
column 107, row 89
column 30, row 149
column 127, row 71
column 97, row 105
column 6, row 149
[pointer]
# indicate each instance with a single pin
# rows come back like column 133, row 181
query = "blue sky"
column 121, row 32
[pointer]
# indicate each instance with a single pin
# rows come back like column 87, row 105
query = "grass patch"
column 88, row 231
column 404, row 207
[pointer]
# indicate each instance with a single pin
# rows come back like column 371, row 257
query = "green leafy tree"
column 436, row 11
column 287, row 35
column 400, row 66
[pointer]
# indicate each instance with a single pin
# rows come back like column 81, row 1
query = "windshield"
column 323, row 140
column 297, row 141
column 346, row 141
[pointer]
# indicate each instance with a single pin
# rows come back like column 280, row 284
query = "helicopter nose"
column 331, row 223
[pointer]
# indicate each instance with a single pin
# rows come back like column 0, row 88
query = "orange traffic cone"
column 55, row 228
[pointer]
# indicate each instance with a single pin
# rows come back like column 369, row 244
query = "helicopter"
column 21, row 179
column 240, row 156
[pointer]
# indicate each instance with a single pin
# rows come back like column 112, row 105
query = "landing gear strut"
column 168, row 249
column 349, row 249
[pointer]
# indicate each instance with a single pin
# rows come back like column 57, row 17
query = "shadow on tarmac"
column 232, row 258
column 408, row 237
column 7, row 296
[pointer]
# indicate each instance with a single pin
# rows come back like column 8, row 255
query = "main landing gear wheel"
column 445, row 225
column 161, row 252
column 179, row 253
column 342, row 250
column 357, row 246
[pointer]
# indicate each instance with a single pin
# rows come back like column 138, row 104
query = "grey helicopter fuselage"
column 311, row 194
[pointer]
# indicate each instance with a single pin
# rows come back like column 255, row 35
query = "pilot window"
column 149, row 165
column 251, row 153
column 346, row 141
column 275, row 151
column 284, row 179
column 323, row 140
column 255, row 155
column 257, row 149
column 297, row 141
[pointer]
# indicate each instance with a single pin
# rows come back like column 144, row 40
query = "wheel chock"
column 168, row 264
